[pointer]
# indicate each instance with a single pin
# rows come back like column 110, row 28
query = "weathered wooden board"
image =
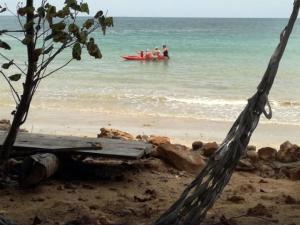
column 115, row 148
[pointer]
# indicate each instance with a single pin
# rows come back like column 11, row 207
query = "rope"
column 201, row 194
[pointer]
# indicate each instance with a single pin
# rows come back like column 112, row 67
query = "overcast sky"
column 188, row 8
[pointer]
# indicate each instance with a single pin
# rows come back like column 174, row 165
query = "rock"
column 181, row 157
column 294, row 174
column 259, row 210
column 209, row 149
column 197, row 145
column 267, row 154
column 115, row 134
column 288, row 153
column 245, row 165
column 4, row 125
column 251, row 148
column 144, row 138
column 289, row 200
column 252, row 155
column 266, row 171
column 158, row 140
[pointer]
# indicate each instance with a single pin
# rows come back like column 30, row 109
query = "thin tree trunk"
column 28, row 86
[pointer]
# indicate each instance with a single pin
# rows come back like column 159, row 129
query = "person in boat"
column 148, row 54
column 165, row 52
column 156, row 53
column 142, row 53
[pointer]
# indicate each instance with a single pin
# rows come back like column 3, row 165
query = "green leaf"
column 4, row 45
column 41, row 12
column 2, row 10
column 60, row 37
column 82, row 37
column 15, row 77
column 98, row 14
column 51, row 12
column 109, row 21
column 84, row 7
column 76, row 52
column 70, row 2
column 88, row 23
column 93, row 49
column 25, row 10
column 48, row 50
column 49, row 37
column 58, row 26
column 38, row 52
column 73, row 28
column 7, row 65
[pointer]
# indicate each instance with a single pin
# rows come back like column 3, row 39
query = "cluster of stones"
column 266, row 162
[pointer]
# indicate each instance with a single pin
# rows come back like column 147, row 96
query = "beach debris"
column 181, row 157
column 288, row 153
column 259, row 210
column 197, row 145
column 209, row 149
column 37, row 168
column 267, row 154
column 158, row 140
column 115, row 134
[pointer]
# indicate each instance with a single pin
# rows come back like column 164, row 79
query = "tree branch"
column 3, row 56
column 59, row 68
column 15, row 93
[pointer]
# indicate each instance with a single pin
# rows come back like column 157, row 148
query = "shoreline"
column 182, row 131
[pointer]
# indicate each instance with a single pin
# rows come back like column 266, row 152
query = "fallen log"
column 37, row 168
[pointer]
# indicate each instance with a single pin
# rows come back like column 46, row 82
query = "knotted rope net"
column 200, row 195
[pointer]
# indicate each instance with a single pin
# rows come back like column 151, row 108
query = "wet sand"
column 180, row 130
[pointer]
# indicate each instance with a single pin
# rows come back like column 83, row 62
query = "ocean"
column 215, row 66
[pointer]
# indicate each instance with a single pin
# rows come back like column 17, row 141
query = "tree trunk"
column 23, row 107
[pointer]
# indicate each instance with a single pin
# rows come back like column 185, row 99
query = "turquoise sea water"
column 215, row 66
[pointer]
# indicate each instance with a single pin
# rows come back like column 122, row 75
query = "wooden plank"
column 40, row 143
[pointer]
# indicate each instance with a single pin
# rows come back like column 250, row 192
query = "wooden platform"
column 102, row 147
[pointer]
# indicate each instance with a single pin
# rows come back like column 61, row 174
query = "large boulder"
column 267, row 154
column 209, row 149
column 197, row 145
column 252, row 155
column 294, row 174
column 158, row 140
column 115, row 134
column 288, row 153
column 181, row 157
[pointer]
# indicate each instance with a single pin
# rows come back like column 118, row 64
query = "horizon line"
column 187, row 17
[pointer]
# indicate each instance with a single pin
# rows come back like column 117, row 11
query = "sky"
column 187, row 8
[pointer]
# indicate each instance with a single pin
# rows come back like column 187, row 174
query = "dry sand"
column 143, row 194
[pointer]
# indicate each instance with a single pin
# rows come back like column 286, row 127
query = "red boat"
column 140, row 58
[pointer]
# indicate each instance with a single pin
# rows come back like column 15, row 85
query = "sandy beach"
column 180, row 130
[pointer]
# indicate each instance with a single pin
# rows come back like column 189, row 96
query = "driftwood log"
column 201, row 194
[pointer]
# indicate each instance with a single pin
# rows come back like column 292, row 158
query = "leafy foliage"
column 48, row 31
